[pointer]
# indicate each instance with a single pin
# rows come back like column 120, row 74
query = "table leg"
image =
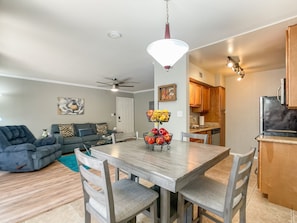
column 164, row 205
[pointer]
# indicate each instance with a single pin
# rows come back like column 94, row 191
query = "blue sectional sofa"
column 78, row 135
column 20, row 151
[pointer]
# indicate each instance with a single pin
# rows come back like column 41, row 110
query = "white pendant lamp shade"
column 167, row 51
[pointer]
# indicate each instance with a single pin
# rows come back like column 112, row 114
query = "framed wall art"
column 167, row 93
column 71, row 106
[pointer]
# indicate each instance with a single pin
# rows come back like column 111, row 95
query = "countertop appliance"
column 276, row 119
column 215, row 136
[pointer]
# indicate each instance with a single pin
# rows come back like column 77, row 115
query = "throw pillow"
column 101, row 129
column 66, row 130
column 85, row 132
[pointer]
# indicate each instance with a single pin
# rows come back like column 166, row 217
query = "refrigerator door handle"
column 278, row 97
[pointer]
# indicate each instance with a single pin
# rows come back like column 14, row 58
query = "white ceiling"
column 66, row 41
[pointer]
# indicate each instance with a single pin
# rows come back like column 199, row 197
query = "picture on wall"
column 167, row 92
column 71, row 106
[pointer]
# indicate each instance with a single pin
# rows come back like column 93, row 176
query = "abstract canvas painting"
column 71, row 106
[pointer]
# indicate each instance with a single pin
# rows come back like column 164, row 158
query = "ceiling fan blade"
column 99, row 82
column 126, row 85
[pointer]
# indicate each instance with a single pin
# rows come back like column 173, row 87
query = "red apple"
column 149, row 113
column 155, row 131
column 167, row 137
column 160, row 140
column 151, row 140
column 163, row 131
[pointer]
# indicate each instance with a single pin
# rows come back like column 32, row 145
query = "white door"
column 125, row 114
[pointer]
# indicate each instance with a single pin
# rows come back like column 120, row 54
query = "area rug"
column 69, row 161
column 25, row 195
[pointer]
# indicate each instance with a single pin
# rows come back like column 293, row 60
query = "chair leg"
column 117, row 174
column 180, row 208
column 153, row 212
column 242, row 213
column 87, row 217
column 133, row 220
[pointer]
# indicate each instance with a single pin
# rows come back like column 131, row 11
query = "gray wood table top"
column 170, row 169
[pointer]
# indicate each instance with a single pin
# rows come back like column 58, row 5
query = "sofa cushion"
column 7, row 133
column 78, row 126
column 91, row 138
column 85, row 132
column 101, row 129
column 66, row 130
column 72, row 140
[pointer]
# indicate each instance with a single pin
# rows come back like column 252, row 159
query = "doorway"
column 125, row 114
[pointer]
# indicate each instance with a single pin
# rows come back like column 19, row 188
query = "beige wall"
column 242, row 107
column 141, row 102
column 179, row 109
column 34, row 104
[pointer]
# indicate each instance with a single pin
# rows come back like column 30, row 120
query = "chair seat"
column 205, row 190
column 130, row 198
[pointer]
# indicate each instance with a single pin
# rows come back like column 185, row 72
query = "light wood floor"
column 259, row 210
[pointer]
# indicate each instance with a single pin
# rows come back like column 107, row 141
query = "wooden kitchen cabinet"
column 195, row 94
column 217, row 110
column 205, row 103
column 277, row 166
column 204, row 99
column 291, row 67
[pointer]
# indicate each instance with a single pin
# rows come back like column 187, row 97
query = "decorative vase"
column 44, row 133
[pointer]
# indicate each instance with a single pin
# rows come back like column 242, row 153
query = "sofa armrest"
column 45, row 141
column 59, row 138
column 20, row 147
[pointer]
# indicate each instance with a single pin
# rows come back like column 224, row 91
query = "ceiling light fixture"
column 114, row 34
column 233, row 63
column 114, row 88
column 167, row 51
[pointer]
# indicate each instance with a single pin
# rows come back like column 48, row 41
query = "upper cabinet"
column 291, row 65
column 195, row 94
column 199, row 97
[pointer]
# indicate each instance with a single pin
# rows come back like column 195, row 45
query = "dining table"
column 169, row 167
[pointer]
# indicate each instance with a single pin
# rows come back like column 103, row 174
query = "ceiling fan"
column 116, row 83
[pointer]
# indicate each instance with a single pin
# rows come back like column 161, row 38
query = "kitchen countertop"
column 206, row 127
column 277, row 139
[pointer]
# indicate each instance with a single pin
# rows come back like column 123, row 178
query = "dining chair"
column 220, row 199
column 203, row 137
column 112, row 203
column 123, row 137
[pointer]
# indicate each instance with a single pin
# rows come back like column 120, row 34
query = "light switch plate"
column 179, row 114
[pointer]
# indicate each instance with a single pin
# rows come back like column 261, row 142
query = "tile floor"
column 259, row 210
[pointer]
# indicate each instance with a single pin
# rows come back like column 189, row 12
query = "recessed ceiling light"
column 114, row 35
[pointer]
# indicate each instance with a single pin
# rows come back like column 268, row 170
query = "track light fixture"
column 233, row 63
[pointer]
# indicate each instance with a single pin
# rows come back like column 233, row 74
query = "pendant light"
column 167, row 51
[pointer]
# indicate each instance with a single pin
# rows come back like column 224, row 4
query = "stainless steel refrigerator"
column 276, row 119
